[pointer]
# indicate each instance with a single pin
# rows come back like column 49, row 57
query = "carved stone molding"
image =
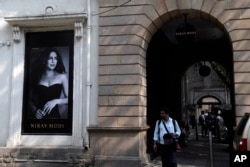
column 36, row 23
column 47, row 21
column 16, row 33
column 78, row 29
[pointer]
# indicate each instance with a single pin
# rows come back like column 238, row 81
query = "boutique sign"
column 185, row 33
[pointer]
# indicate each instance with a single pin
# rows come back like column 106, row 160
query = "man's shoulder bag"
column 175, row 140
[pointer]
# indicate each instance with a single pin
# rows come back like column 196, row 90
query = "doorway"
column 168, row 60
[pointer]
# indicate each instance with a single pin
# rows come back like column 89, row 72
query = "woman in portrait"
column 49, row 85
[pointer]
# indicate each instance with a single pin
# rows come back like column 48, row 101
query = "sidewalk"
column 197, row 154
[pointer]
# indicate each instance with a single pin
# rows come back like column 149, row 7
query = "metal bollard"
column 211, row 149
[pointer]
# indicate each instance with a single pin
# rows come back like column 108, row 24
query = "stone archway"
column 171, row 59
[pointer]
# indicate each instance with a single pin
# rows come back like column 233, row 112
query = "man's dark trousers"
column 168, row 155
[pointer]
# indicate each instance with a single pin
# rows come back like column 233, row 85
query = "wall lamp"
column 5, row 43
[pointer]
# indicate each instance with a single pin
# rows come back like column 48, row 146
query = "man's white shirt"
column 160, row 130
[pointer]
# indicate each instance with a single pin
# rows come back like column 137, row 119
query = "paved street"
column 197, row 154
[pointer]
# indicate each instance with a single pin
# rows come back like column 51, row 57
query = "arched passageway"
column 168, row 58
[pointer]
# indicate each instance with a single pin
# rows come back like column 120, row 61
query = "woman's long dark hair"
column 40, row 64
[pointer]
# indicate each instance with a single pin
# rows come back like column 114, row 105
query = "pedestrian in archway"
column 192, row 120
column 202, row 123
column 166, row 133
column 211, row 122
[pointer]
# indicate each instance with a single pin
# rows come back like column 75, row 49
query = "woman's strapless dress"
column 47, row 93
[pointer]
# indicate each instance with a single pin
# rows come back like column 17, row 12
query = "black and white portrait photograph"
column 47, row 100
column 49, row 84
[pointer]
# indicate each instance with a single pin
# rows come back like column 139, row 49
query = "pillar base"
column 117, row 146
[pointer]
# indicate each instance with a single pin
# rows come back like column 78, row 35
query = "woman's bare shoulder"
column 61, row 76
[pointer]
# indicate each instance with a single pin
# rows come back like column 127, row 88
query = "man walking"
column 202, row 123
column 166, row 132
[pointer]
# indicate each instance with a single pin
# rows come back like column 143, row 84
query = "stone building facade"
column 112, row 120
